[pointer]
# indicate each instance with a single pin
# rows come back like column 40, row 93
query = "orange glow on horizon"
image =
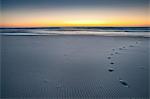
column 76, row 23
column 75, row 17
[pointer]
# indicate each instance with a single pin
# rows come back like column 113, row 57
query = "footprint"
column 116, row 53
column 120, row 48
column 131, row 46
column 113, row 49
column 112, row 63
column 124, row 83
column 110, row 69
column 108, row 57
column 111, row 54
column 123, row 47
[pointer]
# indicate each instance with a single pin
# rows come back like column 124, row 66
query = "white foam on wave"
column 101, row 32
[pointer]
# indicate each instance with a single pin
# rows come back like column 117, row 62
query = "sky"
column 51, row 13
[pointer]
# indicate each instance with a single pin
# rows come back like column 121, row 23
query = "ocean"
column 105, row 31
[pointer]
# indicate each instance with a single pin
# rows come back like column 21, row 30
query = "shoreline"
column 99, row 35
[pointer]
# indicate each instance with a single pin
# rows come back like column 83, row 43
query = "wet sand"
column 74, row 67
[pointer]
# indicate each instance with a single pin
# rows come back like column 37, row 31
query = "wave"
column 119, row 31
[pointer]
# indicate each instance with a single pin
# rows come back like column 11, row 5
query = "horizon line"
column 78, row 27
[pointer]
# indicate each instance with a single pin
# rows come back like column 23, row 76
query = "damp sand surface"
column 74, row 66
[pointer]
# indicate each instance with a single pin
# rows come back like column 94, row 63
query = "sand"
column 74, row 67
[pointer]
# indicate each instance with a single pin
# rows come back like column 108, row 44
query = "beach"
column 74, row 66
column 75, row 49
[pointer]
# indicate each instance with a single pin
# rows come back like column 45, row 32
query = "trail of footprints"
column 111, row 69
column 116, row 52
